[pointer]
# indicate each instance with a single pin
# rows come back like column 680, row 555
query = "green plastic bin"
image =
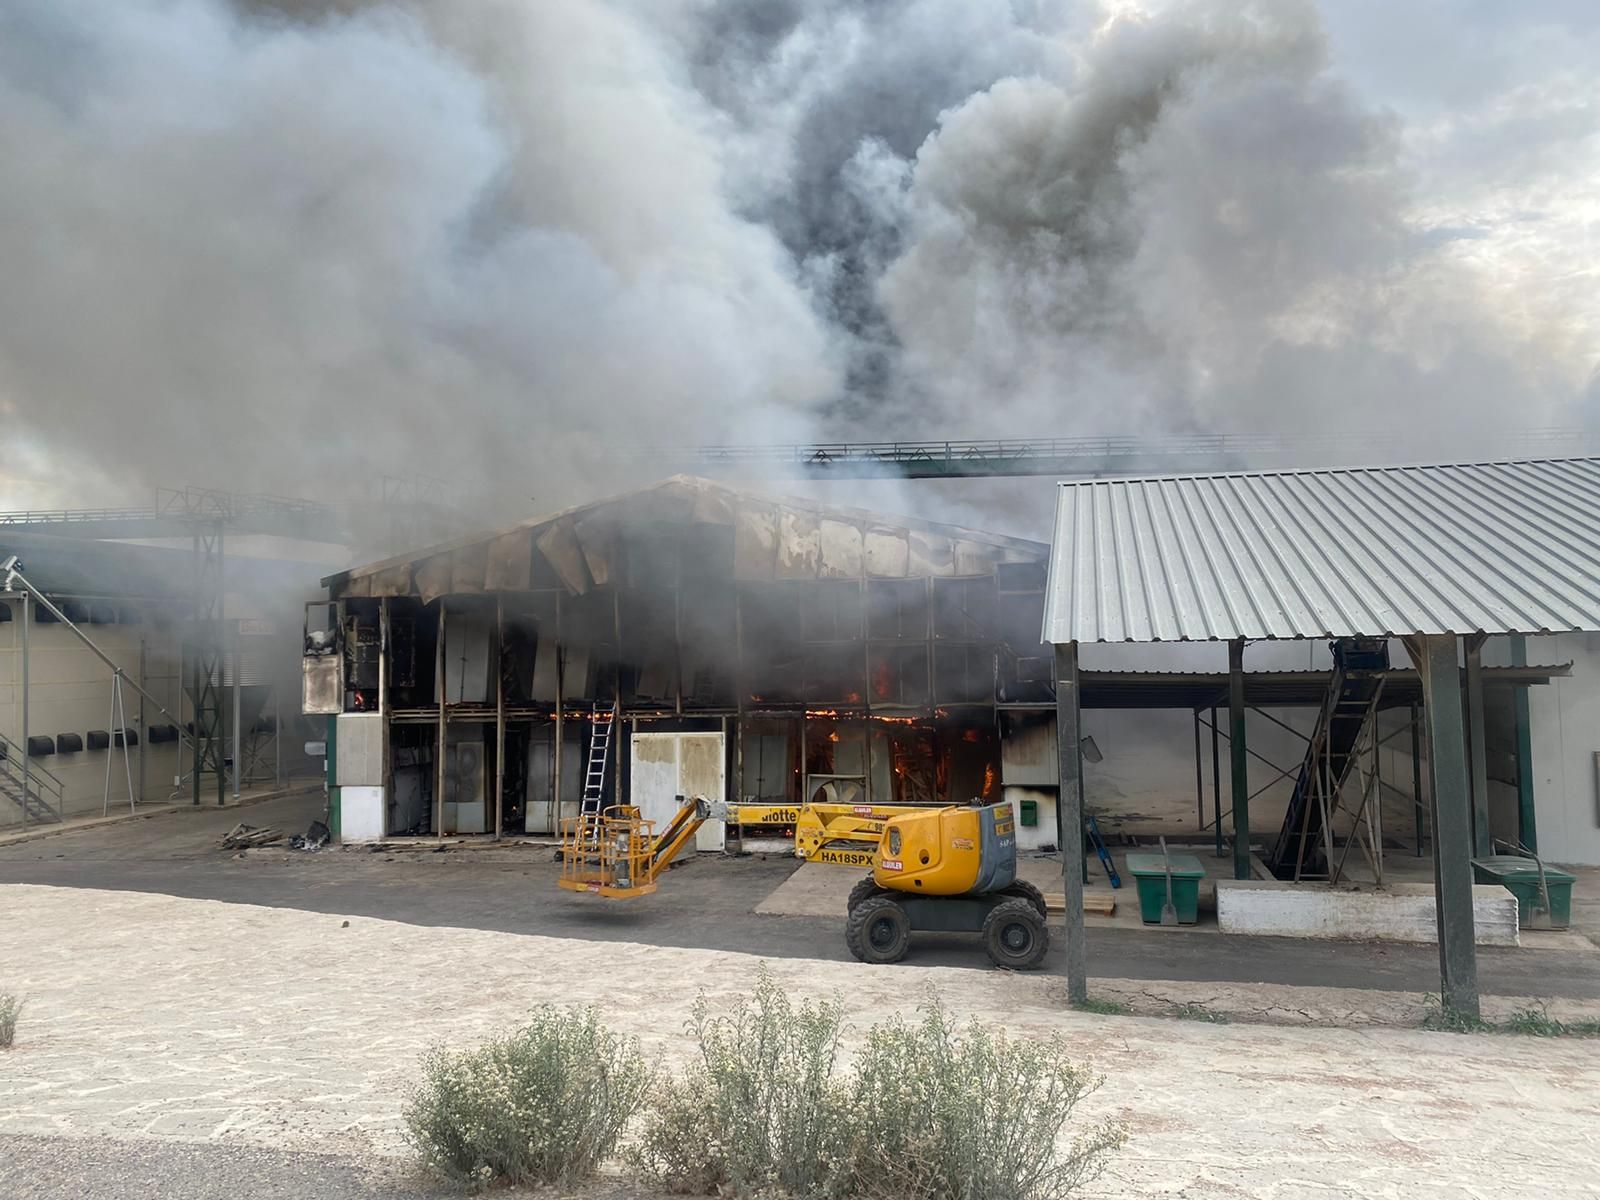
column 1520, row 877
column 1030, row 812
column 1150, row 875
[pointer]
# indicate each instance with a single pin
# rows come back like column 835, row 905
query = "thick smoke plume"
column 296, row 246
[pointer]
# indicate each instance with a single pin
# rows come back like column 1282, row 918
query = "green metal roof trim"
column 1496, row 547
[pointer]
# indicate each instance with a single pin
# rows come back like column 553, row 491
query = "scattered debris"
column 315, row 839
column 246, row 837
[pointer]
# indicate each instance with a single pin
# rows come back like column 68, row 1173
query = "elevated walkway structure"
column 1078, row 457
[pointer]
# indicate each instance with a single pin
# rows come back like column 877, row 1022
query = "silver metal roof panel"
column 1501, row 547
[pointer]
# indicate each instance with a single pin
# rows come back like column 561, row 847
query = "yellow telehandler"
column 948, row 870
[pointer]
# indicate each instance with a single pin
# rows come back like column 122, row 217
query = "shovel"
column 1539, row 914
column 1169, row 911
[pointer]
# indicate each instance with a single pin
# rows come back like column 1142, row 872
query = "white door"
column 669, row 765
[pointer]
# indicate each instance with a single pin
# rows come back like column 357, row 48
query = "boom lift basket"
column 609, row 853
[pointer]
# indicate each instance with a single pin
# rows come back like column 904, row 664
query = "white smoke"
column 486, row 242
column 289, row 246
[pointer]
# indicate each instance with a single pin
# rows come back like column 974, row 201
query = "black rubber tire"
column 1023, row 890
column 1015, row 935
column 878, row 930
column 864, row 889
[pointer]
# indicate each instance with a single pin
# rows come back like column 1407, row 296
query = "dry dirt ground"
column 194, row 1022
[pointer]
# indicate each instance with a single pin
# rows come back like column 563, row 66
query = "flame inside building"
column 727, row 644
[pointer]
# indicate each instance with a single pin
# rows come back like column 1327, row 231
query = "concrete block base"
column 1403, row 912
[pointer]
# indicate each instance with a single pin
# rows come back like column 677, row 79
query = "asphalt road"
column 705, row 903
column 45, row 1168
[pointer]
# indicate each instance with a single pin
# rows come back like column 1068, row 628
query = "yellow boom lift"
column 951, row 869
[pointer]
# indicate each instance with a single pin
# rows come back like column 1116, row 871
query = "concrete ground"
column 206, row 1039
column 707, row 903
column 204, row 1024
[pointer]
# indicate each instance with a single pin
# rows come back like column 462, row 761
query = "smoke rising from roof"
column 294, row 246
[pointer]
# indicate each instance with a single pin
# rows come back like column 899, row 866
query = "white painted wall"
column 71, row 693
column 1565, row 719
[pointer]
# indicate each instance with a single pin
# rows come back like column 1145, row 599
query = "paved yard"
column 710, row 903
column 194, row 1021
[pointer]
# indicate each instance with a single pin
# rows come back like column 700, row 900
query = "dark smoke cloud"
column 290, row 245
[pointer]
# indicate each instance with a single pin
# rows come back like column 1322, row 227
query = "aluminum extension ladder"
column 602, row 721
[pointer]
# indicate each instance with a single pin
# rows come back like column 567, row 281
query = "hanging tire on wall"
column 1015, row 936
column 1023, row 890
column 879, row 931
column 863, row 890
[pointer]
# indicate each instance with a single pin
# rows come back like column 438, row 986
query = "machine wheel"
column 878, row 931
column 863, row 890
column 1015, row 936
column 1024, row 890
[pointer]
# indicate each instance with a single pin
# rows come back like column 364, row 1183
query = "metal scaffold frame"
column 206, row 659
column 1372, row 786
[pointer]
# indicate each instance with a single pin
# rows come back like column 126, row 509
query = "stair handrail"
column 33, row 767
column 47, row 782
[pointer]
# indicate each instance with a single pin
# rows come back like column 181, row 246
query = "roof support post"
column 1216, row 779
column 1435, row 659
column 1069, row 816
column 1527, row 826
column 499, row 714
column 438, row 756
column 1241, row 760
column 1475, row 742
column 1416, row 771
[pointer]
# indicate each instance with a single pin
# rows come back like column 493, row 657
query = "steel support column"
column 1241, row 760
column 1069, row 817
column 207, row 685
column 1435, row 660
column 27, row 609
column 499, row 714
column 1416, row 770
column 438, row 766
column 1216, row 777
column 1475, row 743
column 1199, row 778
column 1527, row 826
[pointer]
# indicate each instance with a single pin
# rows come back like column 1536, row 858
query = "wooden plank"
column 1101, row 904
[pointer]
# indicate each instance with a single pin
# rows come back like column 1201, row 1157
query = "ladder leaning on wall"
column 602, row 722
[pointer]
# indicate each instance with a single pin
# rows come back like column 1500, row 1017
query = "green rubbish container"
column 1150, row 874
column 1520, row 877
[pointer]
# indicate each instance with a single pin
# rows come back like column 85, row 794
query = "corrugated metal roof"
column 1500, row 547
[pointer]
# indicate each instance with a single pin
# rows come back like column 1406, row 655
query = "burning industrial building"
column 687, row 638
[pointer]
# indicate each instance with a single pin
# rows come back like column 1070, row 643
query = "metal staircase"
column 40, row 801
column 1345, row 726
column 602, row 721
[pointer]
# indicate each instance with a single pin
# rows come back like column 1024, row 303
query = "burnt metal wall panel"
column 931, row 554
column 799, row 545
column 597, row 539
column 468, row 568
column 755, row 543
column 841, row 551
column 559, row 545
column 1028, row 755
column 433, row 577
column 888, row 553
column 509, row 567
